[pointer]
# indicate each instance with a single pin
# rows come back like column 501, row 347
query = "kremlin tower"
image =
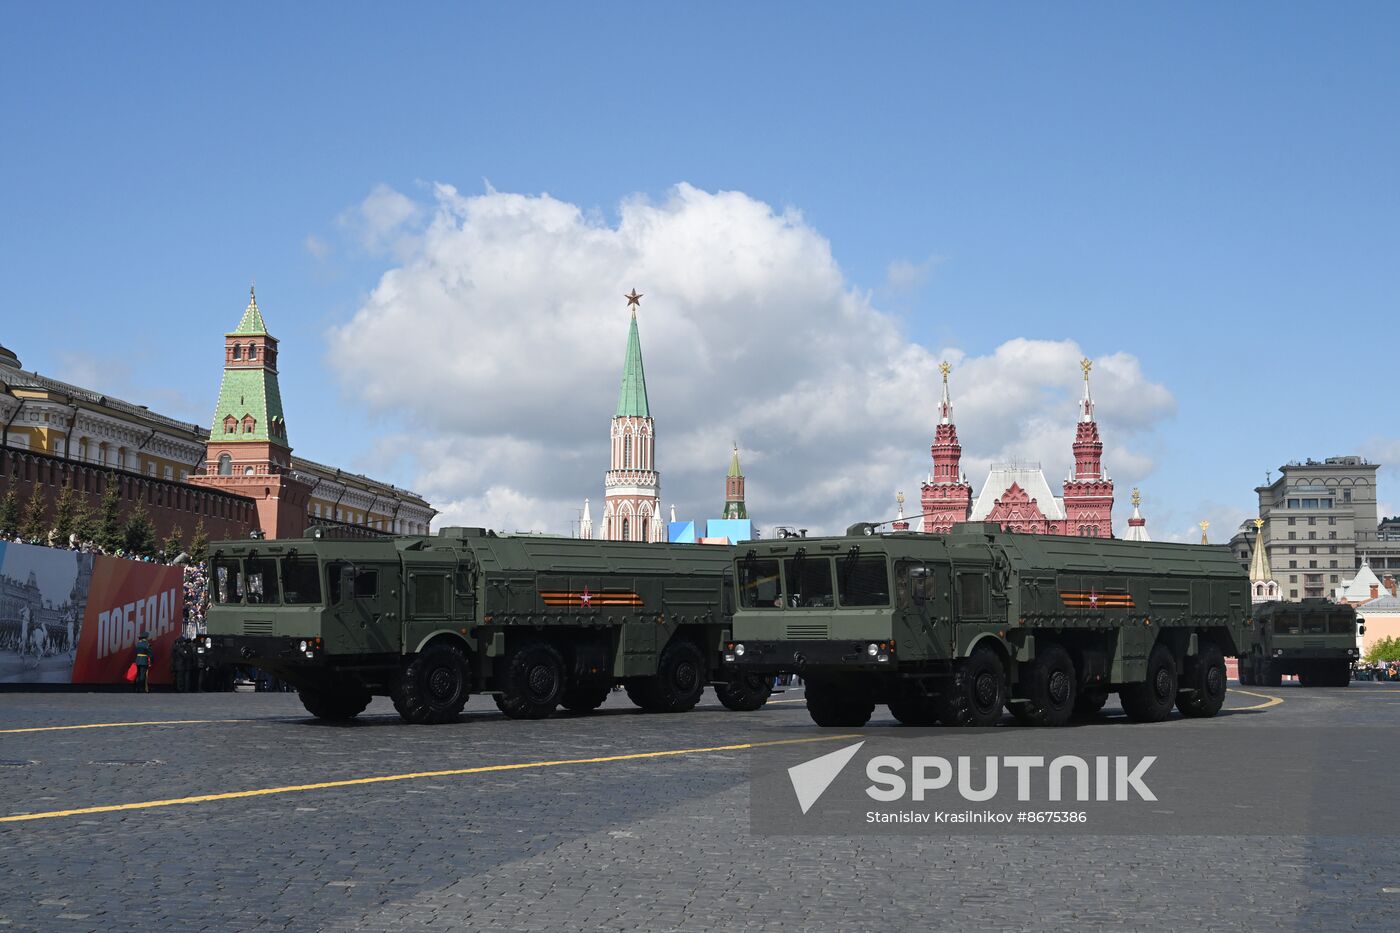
column 733, row 490
column 947, row 496
column 248, row 453
column 1263, row 587
column 632, row 502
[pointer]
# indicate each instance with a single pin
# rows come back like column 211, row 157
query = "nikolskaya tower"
column 632, row 485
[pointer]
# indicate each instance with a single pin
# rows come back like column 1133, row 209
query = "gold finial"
column 1204, row 525
column 945, row 368
column 633, row 299
column 1258, row 523
column 1137, row 497
column 899, row 497
column 1086, row 364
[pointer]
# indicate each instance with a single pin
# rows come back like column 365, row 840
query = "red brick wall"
column 169, row 503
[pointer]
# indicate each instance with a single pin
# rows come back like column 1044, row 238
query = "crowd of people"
column 1378, row 670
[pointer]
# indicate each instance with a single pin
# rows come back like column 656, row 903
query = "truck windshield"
column 1286, row 623
column 228, row 582
column 1315, row 624
column 1342, row 624
column 260, row 577
column 758, row 583
column 808, row 582
column 301, row 581
column 863, row 580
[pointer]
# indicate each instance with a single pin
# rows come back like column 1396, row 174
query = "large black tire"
column 1202, row 690
column 1048, row 688
column 532, row 681
column 916, row 711
column 678, row 683
column 977, row 692
column 1153, row 698
column 1308, row 677
column 1269, row 676
column 334, row 705
column 745, row 692
column 585, row 697
column 434, row 686
column 1089, row 703
column 833, row 706
column 1341, row 674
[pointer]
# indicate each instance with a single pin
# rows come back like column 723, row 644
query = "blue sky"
column 1202, row 186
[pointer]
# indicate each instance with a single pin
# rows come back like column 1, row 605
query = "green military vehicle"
column 954, row 628
column 1314, row 639
column 538, row 622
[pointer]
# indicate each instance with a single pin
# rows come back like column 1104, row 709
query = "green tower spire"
column 249, row 394
column 734, row 489
column 632, row 399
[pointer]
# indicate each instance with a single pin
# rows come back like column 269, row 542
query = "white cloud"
column 902, row 275
column 317, row 247
column 385, row 222
column 497, row 344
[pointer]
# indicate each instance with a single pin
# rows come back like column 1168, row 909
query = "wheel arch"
column 448, row 637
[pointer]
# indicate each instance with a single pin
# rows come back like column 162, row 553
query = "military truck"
column 955, row 628
column 538, row 622
column 1314, row 639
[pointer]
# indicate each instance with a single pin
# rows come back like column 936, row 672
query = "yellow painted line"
column 1269, row 701
column 115, row 725
column 416, row 775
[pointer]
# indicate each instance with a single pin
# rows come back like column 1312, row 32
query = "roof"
column 632, row 399
column 734, row 463
column 249, row 391
column 1259, row 569
column 1029, row 477
column 1385, row 603
column 1359, row 586
column 252, row 322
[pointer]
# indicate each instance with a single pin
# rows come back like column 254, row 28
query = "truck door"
column 357, row 597
column 972, row 601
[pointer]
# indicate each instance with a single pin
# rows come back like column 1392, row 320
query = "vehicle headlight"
column 739, row 650
column 303, row 646
column 872, row 649
column 729, row 656
column 208, row 642
column 882, row 657
column 1278, row 652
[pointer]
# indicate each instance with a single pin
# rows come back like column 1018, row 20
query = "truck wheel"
column 1047, row 689
column 977, row 692
column 1307, row 677
column 1205, row 684
column 678, row 682
column 1341, row 674
column 434, row 686
column 1089, row 703
column 746, row 692
column 917, row 711
column 1246, row 672
column 833, row 706
column 334, row 705
column 532, row 683
column 585, row 698
column 1269, row 676
column 1152, row 699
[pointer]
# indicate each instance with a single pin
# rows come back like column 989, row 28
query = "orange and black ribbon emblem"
column 1096, row 599
column 585, row 599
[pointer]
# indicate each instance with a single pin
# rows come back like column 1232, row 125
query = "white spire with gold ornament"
column 1263, row 587
column 1137, row 525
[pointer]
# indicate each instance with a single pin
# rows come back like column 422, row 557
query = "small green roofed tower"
column 250, row 403
column 734, row 489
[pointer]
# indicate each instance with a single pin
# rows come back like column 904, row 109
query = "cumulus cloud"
column 902, row 275
column 496, row 345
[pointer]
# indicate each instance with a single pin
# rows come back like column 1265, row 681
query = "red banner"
column 126, row 599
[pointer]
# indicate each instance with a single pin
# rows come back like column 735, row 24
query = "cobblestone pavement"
column 654, row 843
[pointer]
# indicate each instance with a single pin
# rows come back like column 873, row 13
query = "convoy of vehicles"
column 1314, row 639
column 538, row 622
column 956, row 628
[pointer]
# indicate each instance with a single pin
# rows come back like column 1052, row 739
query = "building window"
column 1292, row 578
column 626, row 523
column 1293, row 521
column 1312, row 536
column 1312, row 564
column 1292, row 594
column 1292, row 536
column 1292, row 549
column 1346, row 495
column 1292, row 503
column 1332, row 520
column 225, row 465
column 249, row 424
column 1312, row 550
column 1333, row 577
column 238, row 351
column 1332, row 535
column 1312, row 519
column 1292, row 563
column 626, row 454
column 252, row 352
column 1332, row 563
column 247, row 471
column 230, row 425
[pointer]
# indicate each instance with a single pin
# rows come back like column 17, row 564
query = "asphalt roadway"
column 238, row 812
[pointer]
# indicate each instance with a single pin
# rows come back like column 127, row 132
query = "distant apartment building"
column 1320, row 526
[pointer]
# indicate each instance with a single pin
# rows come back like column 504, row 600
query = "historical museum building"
column 1016, row 495
column 237, row 477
